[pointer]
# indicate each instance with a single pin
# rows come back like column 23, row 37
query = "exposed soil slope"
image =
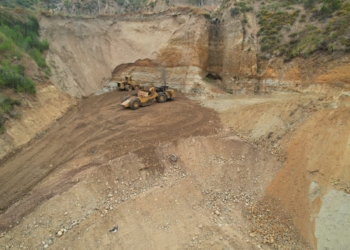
column 95, row 132
column 311, row 132
column 101, row 166
column 38, row 113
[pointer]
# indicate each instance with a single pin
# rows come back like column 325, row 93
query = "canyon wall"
column 235, row 57
column 83, row 53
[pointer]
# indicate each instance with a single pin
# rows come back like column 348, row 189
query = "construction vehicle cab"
column 128, row 84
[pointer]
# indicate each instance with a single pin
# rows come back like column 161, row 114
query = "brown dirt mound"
column 97, row 130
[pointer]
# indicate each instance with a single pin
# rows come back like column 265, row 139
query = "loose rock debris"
column 114, row 229
column 173, row 158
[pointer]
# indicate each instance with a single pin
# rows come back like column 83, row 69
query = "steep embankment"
column 28, row 102
column 38, row 113
column 84, row 52
column 252, row 49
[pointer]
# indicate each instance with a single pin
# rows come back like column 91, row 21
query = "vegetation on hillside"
column 25, row 4
column 293, row 28
column 94, row 7
column 19, row 35
column 300, row 27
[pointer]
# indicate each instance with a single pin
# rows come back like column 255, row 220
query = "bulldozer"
column 129, row 84
column 147, row 97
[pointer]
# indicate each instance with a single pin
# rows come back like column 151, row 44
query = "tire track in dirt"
column 98, row 128
column 18, row 210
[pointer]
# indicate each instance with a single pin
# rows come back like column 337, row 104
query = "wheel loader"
column 129, row 84
column 145, row 98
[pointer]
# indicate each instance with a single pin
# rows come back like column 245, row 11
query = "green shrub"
column 18, row 34
column 6, row 45
column 234, row 12
column 207, row 79
column 6, row 108
column 309, row 4
column 243, row 7
column 12, row 76
column 8, row 103
column 22, row 31
column 37, row 57
column 271, row 24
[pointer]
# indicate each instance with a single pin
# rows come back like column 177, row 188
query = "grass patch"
column 13, row 76
column 19, row 35
column 7, row 105
column 22, row 29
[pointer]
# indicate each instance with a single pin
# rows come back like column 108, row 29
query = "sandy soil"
column 102, row 166
column 37, row 114
column 234, row 185
column 310, row 133
column 98, row 130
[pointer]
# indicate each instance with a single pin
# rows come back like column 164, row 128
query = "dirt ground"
column 310, row 133
column 102, row 166
column 96, row 131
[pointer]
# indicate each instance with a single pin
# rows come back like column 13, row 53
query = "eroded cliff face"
column 83, row 53
column 235, row 56
column 232, row 55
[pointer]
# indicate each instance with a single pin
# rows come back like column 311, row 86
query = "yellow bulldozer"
column 129, row 84
column 145, row 98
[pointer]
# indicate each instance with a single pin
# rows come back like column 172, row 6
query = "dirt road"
column 95, row 131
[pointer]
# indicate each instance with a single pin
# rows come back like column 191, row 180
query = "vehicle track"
column 98, row 128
